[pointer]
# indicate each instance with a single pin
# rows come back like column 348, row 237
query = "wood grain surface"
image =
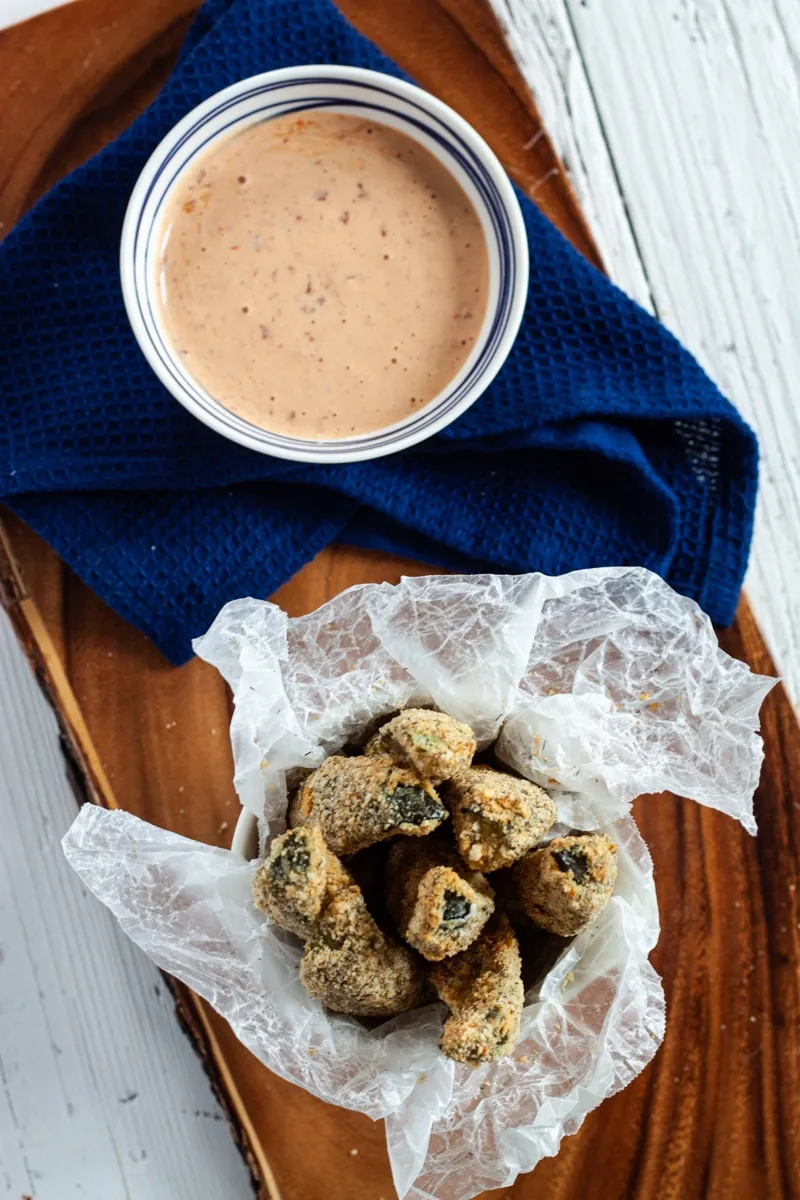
column 718, row 1112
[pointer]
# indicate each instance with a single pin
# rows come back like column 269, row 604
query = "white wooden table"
column 679, row 125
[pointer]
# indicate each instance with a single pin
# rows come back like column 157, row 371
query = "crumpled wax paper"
column 600, row 685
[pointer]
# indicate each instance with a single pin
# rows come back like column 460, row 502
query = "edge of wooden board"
column 91, row 785
column 41, row 653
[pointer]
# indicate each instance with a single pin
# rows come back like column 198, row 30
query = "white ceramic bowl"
column 377, row 97
column 245, row 835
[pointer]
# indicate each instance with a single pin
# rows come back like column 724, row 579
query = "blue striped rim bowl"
column 377, row 97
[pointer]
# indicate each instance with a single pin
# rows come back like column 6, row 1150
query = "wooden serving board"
column 718, row 1112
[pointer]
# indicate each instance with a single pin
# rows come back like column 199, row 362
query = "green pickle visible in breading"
column 360, row 801
column 297, row 879
column 567, row 883
column 483, row 989
column 440, row 906
column 432, row 743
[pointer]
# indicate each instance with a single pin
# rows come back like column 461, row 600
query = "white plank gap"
column 679, row 124
column 101, row 1095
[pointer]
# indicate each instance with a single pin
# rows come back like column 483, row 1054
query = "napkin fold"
column 600, row 442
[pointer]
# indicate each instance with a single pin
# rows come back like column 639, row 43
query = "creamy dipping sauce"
column 322, row 277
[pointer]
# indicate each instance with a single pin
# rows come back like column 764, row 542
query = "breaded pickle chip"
column 567, row 883
column 297, row 879
column 440, row 906
column 496, row 817
column 432, row 743
column 353, row 967
column 483, row 989
column 359, row 801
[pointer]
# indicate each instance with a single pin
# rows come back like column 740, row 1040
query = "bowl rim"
column 131, row 291
column 245, row 835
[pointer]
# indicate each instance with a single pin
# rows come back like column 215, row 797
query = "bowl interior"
column 378, row 98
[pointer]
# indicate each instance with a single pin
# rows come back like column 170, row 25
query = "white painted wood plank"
column 101, row 1095
column 12, row 11
column 540, row 34
column 680, row 126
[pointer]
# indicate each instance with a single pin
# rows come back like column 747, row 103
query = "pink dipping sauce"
column 322, row 277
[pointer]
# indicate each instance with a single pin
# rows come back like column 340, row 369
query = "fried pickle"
column 496, row 817
column 440, row 905
column 432, row 743
column 483, row 989
column 359, row 801
column 567, row 883
column 353, row 967
column 298, row 879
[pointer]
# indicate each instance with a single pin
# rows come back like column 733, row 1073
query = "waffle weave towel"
column 600, row 442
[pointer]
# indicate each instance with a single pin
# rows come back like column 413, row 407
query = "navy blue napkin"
column 600, row 442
